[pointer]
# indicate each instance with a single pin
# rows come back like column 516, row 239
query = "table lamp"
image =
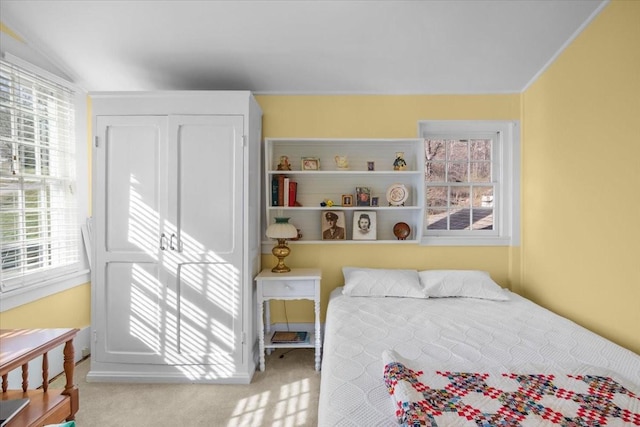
column 281, row 231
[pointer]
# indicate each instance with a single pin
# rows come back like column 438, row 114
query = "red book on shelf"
column 293, row 190
column 281, row 190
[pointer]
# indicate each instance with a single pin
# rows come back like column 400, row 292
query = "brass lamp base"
column 281, row 251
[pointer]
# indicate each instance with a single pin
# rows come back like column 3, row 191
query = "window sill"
column 21, row 296
column 466, row 241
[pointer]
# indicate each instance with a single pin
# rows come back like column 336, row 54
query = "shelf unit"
column 329, row 182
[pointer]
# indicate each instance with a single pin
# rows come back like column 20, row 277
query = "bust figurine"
column 284, row 164
column 342, row 162
column 399, row 164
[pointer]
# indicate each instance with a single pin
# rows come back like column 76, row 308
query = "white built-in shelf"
column 316, row 186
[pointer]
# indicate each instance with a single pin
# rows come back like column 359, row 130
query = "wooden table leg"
column 25, row 377
column 45, row 372
column 70, row 389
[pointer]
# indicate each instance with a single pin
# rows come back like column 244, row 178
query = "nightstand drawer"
column 288, row 288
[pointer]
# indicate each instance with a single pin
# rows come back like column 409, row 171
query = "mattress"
column 447, row 333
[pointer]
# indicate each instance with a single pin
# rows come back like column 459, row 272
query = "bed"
column 392, row 337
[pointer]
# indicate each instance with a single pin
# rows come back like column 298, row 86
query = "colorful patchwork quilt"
column 448, row 398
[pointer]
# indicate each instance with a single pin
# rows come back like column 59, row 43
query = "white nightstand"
column 299, row 283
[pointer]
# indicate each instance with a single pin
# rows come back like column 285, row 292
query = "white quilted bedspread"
column 446, row 333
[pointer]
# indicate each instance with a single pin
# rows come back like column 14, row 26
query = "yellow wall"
column 8, row 31
column 331, row 259
column 68, row 309
column 349, row 116
column 581, row 179
column 382, row 117
column 581, row 172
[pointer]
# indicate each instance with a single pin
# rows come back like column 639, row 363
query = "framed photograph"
column 333, row 225
column 364, row 225
column 347, row 200
column 363, row 196
column 374, row 201
column 310, row 164
column 371, row 166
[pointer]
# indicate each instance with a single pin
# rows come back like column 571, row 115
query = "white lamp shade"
column 282, row 230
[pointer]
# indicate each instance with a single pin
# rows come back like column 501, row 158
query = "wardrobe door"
column 206, row 199
column 130, row 238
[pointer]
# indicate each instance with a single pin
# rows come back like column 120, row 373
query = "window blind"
column 39, row 233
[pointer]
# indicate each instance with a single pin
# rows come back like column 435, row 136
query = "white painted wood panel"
column 172, row 290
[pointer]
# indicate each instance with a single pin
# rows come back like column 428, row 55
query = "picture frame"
column 347, row 200
column 375, row 201
column 364, row 225
column 363, row 196
column 310, row 164
column 371, row 166
column 333, row 225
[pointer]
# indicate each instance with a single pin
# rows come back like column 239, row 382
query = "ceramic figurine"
column 284, row 164
column 342, row 162
column 399, row 163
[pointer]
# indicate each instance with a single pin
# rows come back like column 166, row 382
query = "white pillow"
column 461, row 283
column 379, row 282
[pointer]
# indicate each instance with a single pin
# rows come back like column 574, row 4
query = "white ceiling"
column 300, row 46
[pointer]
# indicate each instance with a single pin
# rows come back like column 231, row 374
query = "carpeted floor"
column 284, row 395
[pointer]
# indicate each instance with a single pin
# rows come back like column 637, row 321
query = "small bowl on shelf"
column 401, row 230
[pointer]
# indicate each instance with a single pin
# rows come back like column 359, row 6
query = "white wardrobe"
column 176, row 236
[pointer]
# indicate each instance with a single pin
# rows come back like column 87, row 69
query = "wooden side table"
column 46, row 406
column 299, row 283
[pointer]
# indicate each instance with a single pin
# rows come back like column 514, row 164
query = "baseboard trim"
column 97, row 376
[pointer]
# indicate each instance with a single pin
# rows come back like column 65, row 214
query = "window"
column 39, row 229
column 471, row 182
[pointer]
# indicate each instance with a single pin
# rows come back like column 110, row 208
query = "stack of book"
column 286, row 337
column 283, row 191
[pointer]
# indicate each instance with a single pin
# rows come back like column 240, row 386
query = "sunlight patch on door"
column 144, row 222
column 192, row 321
column 144, row 306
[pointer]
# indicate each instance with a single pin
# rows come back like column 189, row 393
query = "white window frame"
column 506, row 175
column 42, row 285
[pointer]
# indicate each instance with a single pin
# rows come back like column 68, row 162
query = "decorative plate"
column 401, row 230
column 397, row 194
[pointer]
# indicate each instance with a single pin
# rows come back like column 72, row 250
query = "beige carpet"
column 285, row 394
